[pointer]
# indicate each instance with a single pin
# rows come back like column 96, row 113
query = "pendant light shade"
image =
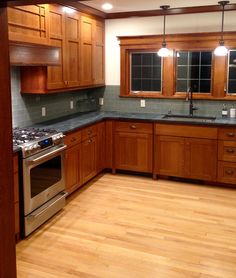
column 221, row 50
column 164, row 51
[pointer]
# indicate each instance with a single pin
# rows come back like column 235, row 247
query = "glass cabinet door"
column 231, row 86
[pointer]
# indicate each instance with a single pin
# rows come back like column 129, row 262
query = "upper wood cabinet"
column 81, row 42
column 28, row 24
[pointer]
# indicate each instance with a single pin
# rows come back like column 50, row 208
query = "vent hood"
column 25, row 54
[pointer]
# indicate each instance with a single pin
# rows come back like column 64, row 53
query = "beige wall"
column 190, row 23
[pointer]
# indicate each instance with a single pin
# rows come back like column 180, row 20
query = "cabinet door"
column 201, row 157
column 98, row 58
column 100, row 147
column 56, row 75
column 72, row 168
column 86, row 76
column 89, row 159
column 169, row 156
column 72, row 49
column 133, row 151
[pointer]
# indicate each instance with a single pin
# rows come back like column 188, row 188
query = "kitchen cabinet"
column 16, row 196
column 72, row 162
column 101, row 133
column 89, row 153
column 227, row 155
column 133, row 146
column 186, row 151
column 28, row 24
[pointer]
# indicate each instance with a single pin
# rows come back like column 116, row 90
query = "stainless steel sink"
column 189, row 118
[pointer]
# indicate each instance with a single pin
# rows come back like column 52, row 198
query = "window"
column 193, row 70
column 232, row 72
column 146, row 72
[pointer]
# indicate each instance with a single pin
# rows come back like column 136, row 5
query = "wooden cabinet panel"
column 109, row 144
column 73, row 138
column 72, row 168
column 227, row 133
column 227, row 151
column 100, row 147
column 16, row 196
column 133, row 151
column 201, row 159
column 89, row 132
column 226, row 172
column 136, row 127
column 28, row 24
column 89, row 159
column 17, row 221
column 169, row 156
column 186, row 131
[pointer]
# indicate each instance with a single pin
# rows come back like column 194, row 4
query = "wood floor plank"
column 131, row 226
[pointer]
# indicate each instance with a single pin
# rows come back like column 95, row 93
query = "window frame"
column 178, row 42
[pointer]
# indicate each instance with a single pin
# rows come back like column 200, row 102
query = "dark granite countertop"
column 70, row 123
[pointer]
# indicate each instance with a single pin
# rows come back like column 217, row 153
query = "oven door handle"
column 47, row 155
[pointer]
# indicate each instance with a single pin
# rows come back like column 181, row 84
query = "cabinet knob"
column 229, row 172
column 230, row 150
column 73, row 139
column 230, row 134
column 133, row 126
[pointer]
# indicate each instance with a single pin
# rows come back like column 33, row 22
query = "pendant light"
column 221, row 50
column 164, row 51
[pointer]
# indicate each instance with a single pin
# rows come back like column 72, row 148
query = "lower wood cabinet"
column 188, row 157
column 133, row 146
column 16, row 196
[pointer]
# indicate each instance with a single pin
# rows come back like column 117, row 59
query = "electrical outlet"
column 101, row 101
column 142, row 103
column 44, row 111
column 71, row 104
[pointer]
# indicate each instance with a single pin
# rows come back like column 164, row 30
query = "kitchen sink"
column 189, row 118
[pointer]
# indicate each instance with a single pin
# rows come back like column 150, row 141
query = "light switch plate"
column 71, row 104
column 44, row 111
column 142, row 103
column 101, row 101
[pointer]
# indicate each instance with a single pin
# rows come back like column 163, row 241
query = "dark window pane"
column 156, row 59
column 147, row 72
column 136, row 72
column 182, row 72
column 232, row 87
column 232, row 57
column 182, row 86
column 136, row 59
column 205, row 72
column 156, row 72
column 194, row 72
column 136, row 85
column 146, row 85
column 156, row 85
column 206, row 58
column 182, row 58
column 194, row 85
column 205, row 86
column 147, row 59
column 194, row 58
column 232, row 73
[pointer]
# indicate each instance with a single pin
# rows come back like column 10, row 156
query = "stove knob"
column 35, row 146
column 30, row 147
column 58, row 136
column 61, row 136
column 26, row 149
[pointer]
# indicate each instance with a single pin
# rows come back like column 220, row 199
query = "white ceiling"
column 139, row 5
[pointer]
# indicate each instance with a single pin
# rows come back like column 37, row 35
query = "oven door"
column 43, row 177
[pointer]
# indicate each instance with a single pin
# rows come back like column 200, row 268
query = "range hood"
column 25, row 54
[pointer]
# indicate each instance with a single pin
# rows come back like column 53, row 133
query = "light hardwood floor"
column 129, row 226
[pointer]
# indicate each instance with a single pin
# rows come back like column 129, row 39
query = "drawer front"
column 227, row 151
column 136, row 127
column 89, row 132
column 227, row 172
column 186, row 131
column 73, row 138
column 227, row 134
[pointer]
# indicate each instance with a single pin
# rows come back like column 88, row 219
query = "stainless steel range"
column 43, row 174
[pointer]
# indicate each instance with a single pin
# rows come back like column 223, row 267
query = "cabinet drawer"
column 227, row 172
column 227, row 151
column 136, row 127
column 186, row 131
column 227, row 133
column 73, row 138
column 89, row 132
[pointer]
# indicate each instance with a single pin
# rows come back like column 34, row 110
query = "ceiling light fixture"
column 164, row 51
column 221, row 50
column 107, row 6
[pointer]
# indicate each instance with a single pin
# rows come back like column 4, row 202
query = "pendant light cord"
column 164, row 8
column 223, row 4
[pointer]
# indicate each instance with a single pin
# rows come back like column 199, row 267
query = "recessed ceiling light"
column 107, row 6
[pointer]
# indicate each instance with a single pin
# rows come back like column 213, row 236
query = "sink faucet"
column 189, row 97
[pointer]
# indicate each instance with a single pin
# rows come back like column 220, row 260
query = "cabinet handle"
column 229, row 172
column 230, row 150
column 73, row 140
column 230, row 134
column 133, row 127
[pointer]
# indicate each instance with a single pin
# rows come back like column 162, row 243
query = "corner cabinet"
column 133, row 146
column 186, row 151
column 81, row 42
